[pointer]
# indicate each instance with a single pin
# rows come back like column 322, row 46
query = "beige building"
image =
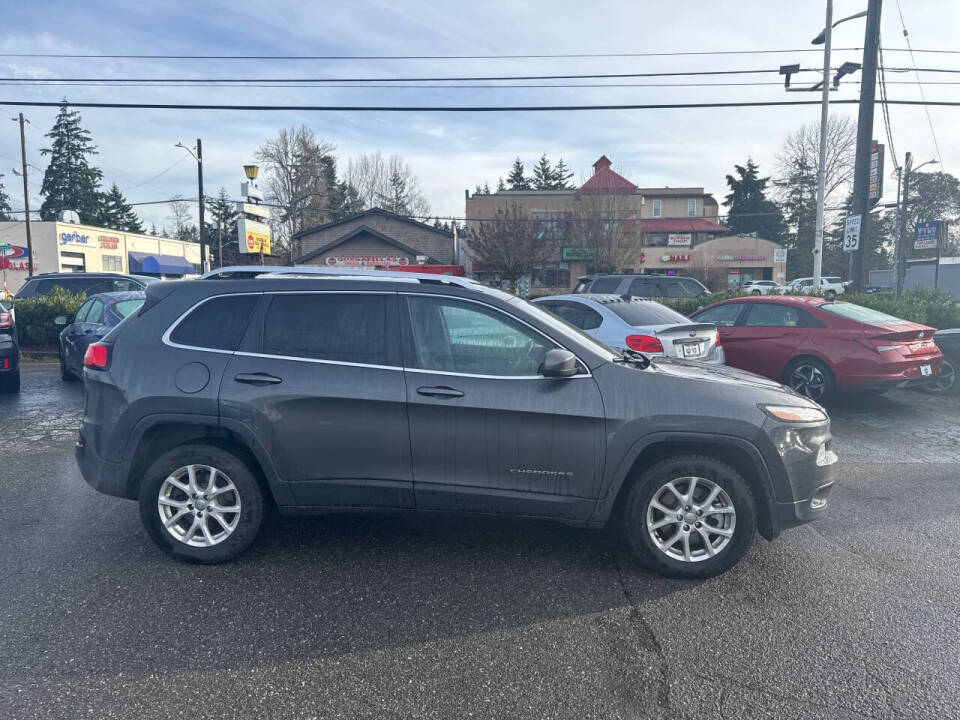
column 68, row 247
column 662, row 230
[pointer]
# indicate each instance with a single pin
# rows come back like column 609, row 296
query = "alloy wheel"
column 809, row 380
column 199, row 505
column 691, row 519
column 945, row 381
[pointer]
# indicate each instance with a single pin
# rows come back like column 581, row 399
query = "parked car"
column 646, row 286
column 637, row 324
column 948, row 341
column 77, row 282
column 760, row 287
column 93, row 320
column 819, row 346
column 402, row 391
column 829, row 286
column 9, row 349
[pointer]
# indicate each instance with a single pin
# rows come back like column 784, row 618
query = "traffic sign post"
column 851, row 233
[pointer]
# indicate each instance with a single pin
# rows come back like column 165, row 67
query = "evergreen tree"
column 397, row 197
column 500, row 186
column 799, row 189
column 223, row 211
column 478, row 190
column 70, row 182
column 543, row 175
column 117, row 214
column 516, row 179
column 562, row 176
column 749, row 209
column 6, row 212
column 486, row 189
column 350, row 200
column 153, row 230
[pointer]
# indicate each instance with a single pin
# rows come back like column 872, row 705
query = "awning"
column 141, row 262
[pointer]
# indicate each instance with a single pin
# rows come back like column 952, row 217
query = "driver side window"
column 462, row 337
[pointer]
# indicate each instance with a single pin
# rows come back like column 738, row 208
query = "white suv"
column 760, row 287
column 829, row 286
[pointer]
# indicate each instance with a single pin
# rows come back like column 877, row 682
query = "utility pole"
column 203, row 230
column 861, row 173
column 26, row 196
column 219, row 242
column 822, row 170
column 901, row 253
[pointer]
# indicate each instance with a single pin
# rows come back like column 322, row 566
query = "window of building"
column 112, row 263
column 73, row 262
column 655, row 240
column 217, row 324
column 460, row 337
column 339, row 327
column 551, row 225
column 691, row 207
column 656, row 208
column 553, row 275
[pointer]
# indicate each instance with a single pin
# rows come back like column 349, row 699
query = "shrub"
column 686, row 306
column 35, row 316
column 921, row 305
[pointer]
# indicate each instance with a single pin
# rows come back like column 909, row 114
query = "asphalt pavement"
column 856, row 615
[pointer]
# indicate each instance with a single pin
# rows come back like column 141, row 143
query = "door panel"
column 766, row 338
column 518, row 444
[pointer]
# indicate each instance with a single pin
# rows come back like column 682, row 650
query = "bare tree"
column 711, row 274
column 801, row 149
column 389, row 183
column 510, row 244
column 608, row 224
column 293, row 163
column 181, row 215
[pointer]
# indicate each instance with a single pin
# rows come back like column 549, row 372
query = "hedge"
column 35, row 316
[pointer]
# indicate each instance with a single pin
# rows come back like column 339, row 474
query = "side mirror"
column 559, row 363
column 60, row 320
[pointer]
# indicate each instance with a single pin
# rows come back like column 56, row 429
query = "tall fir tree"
column 562, row 176
column 501, row 186
column 749, row 209
column 6, row 212
column 799, row 203
column 517, row 180
column 543, row 174
column 116, row 213
column 70, row 182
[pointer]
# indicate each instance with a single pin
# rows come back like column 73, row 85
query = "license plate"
column 692, row 349
column 926, row 370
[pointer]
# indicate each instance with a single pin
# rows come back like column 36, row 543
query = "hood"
column 690, row 370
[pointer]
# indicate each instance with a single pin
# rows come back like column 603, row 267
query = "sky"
column 451, row 152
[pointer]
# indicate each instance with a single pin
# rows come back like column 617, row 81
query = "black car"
column 946, row 382
column 83, row 282
column 398, row 391
column 9, row 349
column 644, row 286
column 93, row 320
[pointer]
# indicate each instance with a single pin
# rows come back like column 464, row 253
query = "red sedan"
column 820, row 346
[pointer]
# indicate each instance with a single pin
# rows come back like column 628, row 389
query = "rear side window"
column 721, row 315
column 325, row 326
column 125, row 307
column 217, row 324
column 773, row 315
column 644, row 287
column 605, row 285
column 576, row 314
column 690, row 287
column 95, row 314
column 638, row 314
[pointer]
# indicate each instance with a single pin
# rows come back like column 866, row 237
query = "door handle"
column 257, row 378
column 440, row 392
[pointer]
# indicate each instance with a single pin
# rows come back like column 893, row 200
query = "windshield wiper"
column 635, row 357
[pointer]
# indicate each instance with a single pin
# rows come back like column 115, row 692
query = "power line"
column 159, row 174
column 913, row 61
column 453, row 108
column 886, row 111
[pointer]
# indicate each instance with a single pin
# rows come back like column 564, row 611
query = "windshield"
column 563, row 328
column 859, row 313
column 646, row 313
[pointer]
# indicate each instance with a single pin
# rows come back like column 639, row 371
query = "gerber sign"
column 74, row 238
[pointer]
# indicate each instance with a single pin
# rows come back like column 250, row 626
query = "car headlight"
column 794, row 413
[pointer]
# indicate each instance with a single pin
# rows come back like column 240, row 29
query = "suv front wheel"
column 690, row 516
column 201, row 503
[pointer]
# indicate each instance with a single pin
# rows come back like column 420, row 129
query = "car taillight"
column 6, row 320
column 644, row 343
column 97, row 356
column 881, row 345
column 6, row 363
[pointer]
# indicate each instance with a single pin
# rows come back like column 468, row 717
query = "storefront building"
column 68, row 247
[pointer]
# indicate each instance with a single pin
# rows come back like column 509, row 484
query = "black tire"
column 650, row 484
column 65, row 374
column 757, row 292
column 251, row 500
column 10, row 382
column 811, row 389
column 947, row 383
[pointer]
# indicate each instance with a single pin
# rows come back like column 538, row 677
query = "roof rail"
column 278, row 271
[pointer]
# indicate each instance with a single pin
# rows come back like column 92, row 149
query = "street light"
column 821, row 38
column 251, row 171
column 198, row 156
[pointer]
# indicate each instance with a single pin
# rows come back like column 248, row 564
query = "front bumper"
column 102, row 475
column 810, row 470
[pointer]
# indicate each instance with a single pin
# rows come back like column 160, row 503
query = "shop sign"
column 780, row 255
column 679, row 239
column 577, row 253
column 14, row 257
column 254, row 237
column 366, row 261
column 73, row 238
column 875, row 183
column 676, row 257
column 745, row 258
column 109, row 242
column 926, row 235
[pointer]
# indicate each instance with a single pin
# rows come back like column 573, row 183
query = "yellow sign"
column 253, row 236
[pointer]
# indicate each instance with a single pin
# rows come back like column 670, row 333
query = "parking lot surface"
column 853, row 616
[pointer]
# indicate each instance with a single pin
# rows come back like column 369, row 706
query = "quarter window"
column 217, row 324
column 461, row 337
column 329, row 326
column 605, row 285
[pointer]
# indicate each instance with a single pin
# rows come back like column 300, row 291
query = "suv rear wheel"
column 201, row 503
column 690, row 516
column 10, row 382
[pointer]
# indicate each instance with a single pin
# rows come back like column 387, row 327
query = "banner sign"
column 926, row 235
column 366, row 261
column 577, row 253
column 679, row 240
column 875, row 183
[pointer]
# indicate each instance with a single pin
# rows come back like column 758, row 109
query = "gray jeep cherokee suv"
column 349, row 392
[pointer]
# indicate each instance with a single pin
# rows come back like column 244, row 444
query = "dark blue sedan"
column 93, row 320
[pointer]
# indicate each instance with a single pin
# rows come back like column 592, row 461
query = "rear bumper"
column 107, row 477
column 899, row 374
column 9, row 352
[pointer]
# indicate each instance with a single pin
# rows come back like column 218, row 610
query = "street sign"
column 851, row 233
column 926, row 235
column 779, row 255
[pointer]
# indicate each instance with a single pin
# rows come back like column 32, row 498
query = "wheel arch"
column 737, row 452
column 807, row 355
